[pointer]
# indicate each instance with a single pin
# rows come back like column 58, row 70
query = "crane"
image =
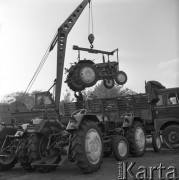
column 61, row 40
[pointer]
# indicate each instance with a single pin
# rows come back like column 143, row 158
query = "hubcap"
column 122, row 148
column 93, row 146
column 140, row 138
column 121, row 77
column 173, row 137
column 87, row 75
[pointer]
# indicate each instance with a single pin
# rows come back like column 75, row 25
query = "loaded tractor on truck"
column 44, row 143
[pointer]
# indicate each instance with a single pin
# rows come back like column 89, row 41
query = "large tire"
column 121, row 78
column 37, row 149
column 120, row 148
column 156, row 142
column 9, row 162
column 87, row 147
column 87, row 74
column 170, row 136
column 136, row 138
column 76, row 87
column 23, row 155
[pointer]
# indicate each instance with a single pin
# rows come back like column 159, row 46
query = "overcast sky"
column 145, row 31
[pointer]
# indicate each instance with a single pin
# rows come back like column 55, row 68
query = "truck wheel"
column 120, row 148
column 108, row 83
column 87, row 147
column 9, row 160
column 156, row 142
column 87, row 74
column 37, row 151
column 121, row 77
column 136, row 139
column 170, row 136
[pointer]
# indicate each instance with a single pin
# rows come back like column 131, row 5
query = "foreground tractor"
column 52, row 144
column 122, row 135
column 86, row 73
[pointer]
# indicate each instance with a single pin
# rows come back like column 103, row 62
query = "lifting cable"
column 90, row 20
column 42, row 62
column 90, row 25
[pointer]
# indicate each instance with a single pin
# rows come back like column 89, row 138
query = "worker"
column 79, row 99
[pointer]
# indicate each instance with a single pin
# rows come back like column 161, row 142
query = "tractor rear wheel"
column 76, row 86
column 38, row 151
column 23, row 155
column 87, row 147
column 136, row 138
column 87, row 74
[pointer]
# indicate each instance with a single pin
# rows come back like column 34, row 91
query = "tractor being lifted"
column 85, row 73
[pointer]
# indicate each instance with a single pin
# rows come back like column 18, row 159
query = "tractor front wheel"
column 156, row 142
column 121, row 78
column 120, row 148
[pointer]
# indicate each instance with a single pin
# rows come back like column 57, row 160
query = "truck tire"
column 7, row 163
column 37, row 151
column 87, row 74
column 170, row 136
column 121, row 78
column 87, row 146
column 136, row 139
column 108, row 83
column 120, row 148
column 156, row 142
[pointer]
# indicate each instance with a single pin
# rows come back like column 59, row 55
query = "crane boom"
column 61, row 39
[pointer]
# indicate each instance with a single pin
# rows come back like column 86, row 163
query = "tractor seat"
column 103, row 65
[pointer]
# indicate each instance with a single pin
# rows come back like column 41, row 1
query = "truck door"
column 172, row 104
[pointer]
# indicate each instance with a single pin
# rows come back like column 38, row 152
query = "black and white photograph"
column 89, row 89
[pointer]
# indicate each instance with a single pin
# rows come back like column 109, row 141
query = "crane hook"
column 91, row 40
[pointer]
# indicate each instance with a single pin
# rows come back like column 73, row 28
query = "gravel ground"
column 109, row 169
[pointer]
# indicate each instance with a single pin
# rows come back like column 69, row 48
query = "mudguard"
column 6, row 130
column 78, row 116
column 44, row 126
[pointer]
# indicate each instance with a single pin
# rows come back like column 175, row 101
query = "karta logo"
column 127, row 172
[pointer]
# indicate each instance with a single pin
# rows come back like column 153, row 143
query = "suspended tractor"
column 85, row 73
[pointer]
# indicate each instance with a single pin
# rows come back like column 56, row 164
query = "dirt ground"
column 108, row 171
